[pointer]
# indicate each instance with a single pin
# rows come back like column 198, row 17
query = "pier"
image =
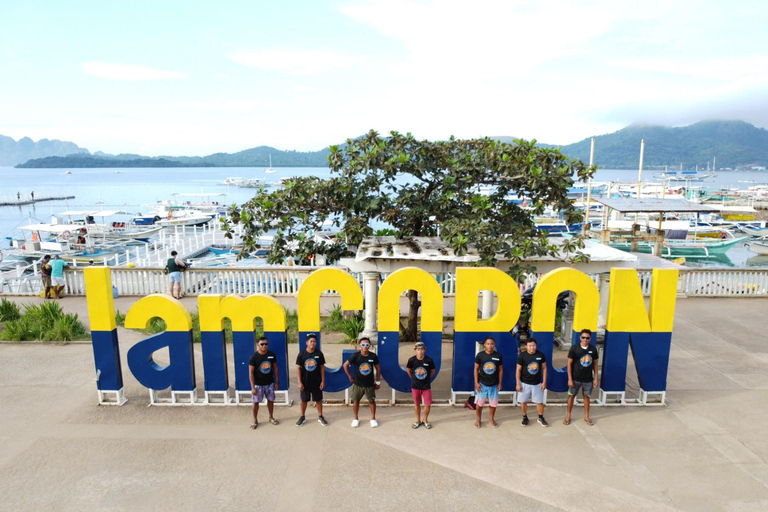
column 5, row 201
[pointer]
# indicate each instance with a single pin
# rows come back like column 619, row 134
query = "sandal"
column 415, row 424
column 254, row 426
column 428, row 425
column 274, row 421
column 589, row 422
column 566, row 421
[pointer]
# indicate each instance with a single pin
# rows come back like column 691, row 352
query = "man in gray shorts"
column 531, row 381
column 582, row 373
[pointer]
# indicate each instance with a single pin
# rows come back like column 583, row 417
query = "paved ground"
column 706, row 450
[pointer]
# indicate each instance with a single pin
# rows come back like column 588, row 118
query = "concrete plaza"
column 705, row 450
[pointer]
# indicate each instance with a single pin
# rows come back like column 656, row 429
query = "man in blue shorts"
column 174, row 266
column 582, row 374
column 489, row 371
column 531, row 381
column 262, row 369
column 310, row 372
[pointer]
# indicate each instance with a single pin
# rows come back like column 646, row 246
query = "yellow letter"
column 410, row 278
column 469, row 282
column 320, row 281
column 545, row 300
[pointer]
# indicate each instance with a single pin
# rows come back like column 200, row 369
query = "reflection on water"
column 758, row 261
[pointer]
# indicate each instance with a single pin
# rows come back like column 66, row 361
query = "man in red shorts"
column 421, row 369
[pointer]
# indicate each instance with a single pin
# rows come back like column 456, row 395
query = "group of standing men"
column 531, row 375
column 52, row 274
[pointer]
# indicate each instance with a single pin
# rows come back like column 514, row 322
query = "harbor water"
column 136, row 190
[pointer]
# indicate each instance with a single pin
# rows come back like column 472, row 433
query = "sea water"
column 136, row 190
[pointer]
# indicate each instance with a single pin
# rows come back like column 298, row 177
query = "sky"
column 197, row 77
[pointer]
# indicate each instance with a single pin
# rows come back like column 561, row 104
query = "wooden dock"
column 21, row 202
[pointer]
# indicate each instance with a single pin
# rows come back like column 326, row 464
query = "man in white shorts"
column 531, row 381
column 57, row 275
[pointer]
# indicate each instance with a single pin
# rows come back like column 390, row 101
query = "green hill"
column 733, row 143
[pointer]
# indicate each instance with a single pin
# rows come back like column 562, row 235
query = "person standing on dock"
column 57, row 275
column 174, row 267
column 32, row 195
column 18, row 196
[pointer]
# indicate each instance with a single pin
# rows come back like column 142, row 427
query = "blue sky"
column 194, row 78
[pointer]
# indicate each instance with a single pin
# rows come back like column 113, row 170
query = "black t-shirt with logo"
column 583, row 360
column 532, row 366
column 488, row 374
column 310, row 363
column 264, row 364
column 364, row 368
column 420, row 370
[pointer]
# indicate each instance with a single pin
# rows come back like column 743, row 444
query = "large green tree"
column 422, row 188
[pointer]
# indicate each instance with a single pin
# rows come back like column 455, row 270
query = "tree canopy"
column 421, row 188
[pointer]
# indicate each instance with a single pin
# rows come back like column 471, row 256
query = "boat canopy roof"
column 654, row 205
column 50, row 228
column 93, row 213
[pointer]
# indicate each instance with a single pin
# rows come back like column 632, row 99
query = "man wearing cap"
column 263, row 374
column 310, row 371
column 489, row 370
column 57, row 275
column 582, row 374
column 421, row 369
column 365, row 382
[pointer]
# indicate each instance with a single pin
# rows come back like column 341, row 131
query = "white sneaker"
column 355, row 423
column 374, row 423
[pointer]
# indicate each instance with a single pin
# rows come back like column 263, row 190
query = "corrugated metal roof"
column 653, row 205
column 433, row 249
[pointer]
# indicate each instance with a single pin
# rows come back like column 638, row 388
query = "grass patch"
column 40, row 322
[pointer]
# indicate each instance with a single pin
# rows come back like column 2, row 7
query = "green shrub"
column 292, row 322
column 353, row 327
column 66, row 328
column 119, row 318
column 44, row 314
column 20, row 329
column 156, row 325
column 334, row 322
column 9, row 310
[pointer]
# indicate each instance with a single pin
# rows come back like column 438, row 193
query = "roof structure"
column 387, row 254
column 654, row 205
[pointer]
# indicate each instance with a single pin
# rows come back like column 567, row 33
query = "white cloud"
column 290, row 61
column 223, row 104
column 128, row 72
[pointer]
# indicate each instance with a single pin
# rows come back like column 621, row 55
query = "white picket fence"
column 285, row 281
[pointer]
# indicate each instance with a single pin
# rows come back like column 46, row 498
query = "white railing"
column 724, row 283
column 285, row 281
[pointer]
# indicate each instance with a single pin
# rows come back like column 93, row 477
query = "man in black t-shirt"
column 489, row 370
column 582, row 373
column 421, row 369
column 263, row 374
column 310, row 370
column 531, row 381
column 365, row 382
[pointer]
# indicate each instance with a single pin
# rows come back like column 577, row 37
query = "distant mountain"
column 254, row 157
column 12, row 152
column 733, row 143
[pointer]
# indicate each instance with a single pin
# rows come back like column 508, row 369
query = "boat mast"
column 586, row 226
column 640, row 173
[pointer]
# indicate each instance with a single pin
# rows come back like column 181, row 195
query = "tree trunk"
column 410, row 333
